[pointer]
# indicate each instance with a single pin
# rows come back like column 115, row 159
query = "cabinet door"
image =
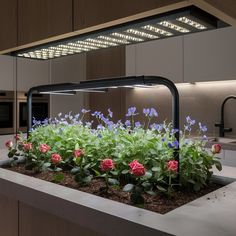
column 8, row 24
column 70, row 69
column 43, row 19
column 7, row 73
column 93, row 12
column 210, row 56
column 159, row 57
column 32, row 73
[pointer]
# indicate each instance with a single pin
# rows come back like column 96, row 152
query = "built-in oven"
column 40, row 109
column 7, row 114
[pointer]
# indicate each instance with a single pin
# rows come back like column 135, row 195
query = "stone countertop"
column 212, row 214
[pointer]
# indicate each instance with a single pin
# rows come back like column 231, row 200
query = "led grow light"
column 178, row 22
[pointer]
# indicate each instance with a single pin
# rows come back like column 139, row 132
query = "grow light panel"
column 178, row 22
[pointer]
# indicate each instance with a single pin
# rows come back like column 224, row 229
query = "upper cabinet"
column 210, row 56
column 93, row 12
column 8, row 24
column 159, row 57
column 43, row 19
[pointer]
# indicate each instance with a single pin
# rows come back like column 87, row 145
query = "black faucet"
column 221, row 125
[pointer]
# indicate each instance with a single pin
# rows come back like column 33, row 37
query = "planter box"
column 68, row 211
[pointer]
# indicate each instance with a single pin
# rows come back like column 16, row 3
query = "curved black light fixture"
column 104, row 84
column 178, row 22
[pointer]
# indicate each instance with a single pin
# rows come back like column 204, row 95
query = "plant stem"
column 106, row 180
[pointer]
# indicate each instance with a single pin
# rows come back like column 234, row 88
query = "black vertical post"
column 29, row 111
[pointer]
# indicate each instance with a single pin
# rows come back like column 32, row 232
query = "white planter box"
column 105, row 217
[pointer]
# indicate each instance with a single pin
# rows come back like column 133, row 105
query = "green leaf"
column 218, row 165
column 148, row 174
column 46, row 165
column 114, row 172
column 152, row 193
column 87, row 179
column 113, row 181
column 58, row 177
column 128, row 187
column 75, row 170
column 57, row 169
column 160, row 188
column 124, row 172
column 155, row 169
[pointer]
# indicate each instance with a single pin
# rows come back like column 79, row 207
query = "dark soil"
column 159, row 203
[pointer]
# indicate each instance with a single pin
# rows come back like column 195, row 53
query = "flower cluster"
column 137, row 154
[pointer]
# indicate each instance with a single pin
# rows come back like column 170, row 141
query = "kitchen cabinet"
column 106, row 63
column 68, row 70
column 159, row 57
column 8, row 24
column 43, row 19
column 92, row 12
column 32, row 73
column 210, row 55
column 7, row 75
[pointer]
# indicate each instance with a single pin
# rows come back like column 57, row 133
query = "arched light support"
column 104, row 84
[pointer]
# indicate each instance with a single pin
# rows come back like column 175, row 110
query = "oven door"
column 6, row 117
column 40, row 111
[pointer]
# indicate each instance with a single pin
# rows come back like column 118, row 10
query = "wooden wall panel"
column 8, row 24
column 42, row 19
column 103, row 64
column 93, row 12
column 8, row 216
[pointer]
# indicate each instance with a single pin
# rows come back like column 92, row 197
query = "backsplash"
column 202, row 101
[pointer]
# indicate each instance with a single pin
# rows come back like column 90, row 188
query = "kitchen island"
column 31, row 206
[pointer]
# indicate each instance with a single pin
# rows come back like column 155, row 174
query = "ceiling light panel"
column 179, row 22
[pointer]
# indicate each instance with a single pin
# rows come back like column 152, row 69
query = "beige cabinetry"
column 159, row 57
column 7, row 73
column 210, row 56
column 32, row 73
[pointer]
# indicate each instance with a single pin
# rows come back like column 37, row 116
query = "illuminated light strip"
column 92, row 44
column 101, row 42
column 114, row 40
column 157, row 30
column 127, row 37
column 174, row 27
column 142, row 34
column 81, row 45
column 192, row 23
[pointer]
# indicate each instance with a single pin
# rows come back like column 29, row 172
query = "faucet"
column 221, row 125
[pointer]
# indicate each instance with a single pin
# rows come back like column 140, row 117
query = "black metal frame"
column 111, row 82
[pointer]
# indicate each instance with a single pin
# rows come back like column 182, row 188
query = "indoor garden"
column 130, row 161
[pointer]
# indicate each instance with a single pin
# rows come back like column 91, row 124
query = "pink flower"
column 216, row 148
column 27, row 146
column 137, row 168
column 78, row 152
column 172, row 165
column 56, row 158
column 17, row 137
column 107, row 164
column 44, row 148
column 9, row 144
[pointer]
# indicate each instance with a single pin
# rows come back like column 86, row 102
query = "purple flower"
column 163, row 139
column 157, row 127
column 128, row 123
column 153, row 112
column 190, row 121
column 146, row 111
column 204, row 138
column 77, row 116
column 188, row 128
column 186, row 141
column 131, row 111
column 59, row 114
column 203, row 128
column 85, row 111
column 96, row 113
column 137, row 124
column 174, row 144
column 110, row 113
column 100, row 126
column 173, row 131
